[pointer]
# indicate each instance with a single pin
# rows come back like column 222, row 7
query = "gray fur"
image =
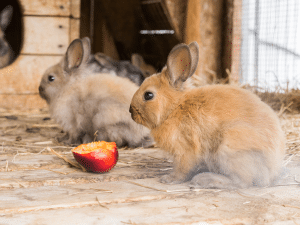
column 121, row 68
column 6, row 52
column 91, row 106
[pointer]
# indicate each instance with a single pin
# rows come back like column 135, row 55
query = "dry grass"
column 281, row 100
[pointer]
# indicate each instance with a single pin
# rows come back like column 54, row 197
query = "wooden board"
column 204, row 25
column 74, row 29
column 20, row 81
column 123, row 202
column 45, row 35
column 236, row 41
column 45, row 41
column 20, row 101
column 35, row 185
column 75, row 8
column 24, row 75
column 45, row 7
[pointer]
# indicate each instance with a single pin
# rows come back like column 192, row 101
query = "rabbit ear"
column 5, row 16
column 137, row 60
column 74, row 55
column 179, row 65
column 194, row 49
column 86, row 43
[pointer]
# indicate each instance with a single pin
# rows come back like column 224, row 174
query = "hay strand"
column 101, row 204
column 66, row 159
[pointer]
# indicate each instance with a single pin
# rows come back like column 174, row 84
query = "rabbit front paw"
column 62, row 138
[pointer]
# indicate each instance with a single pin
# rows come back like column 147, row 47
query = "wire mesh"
column 270, row 53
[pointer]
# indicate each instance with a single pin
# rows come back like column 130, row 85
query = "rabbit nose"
column 41, row 89
column 130, row 109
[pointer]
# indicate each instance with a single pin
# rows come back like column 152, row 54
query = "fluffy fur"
column 121, row 68
column 84, row 104
column 79, row 52
column 6, row 52
column 226, row 129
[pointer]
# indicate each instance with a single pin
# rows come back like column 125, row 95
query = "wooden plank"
column 45, row 35
column 204, row 25
column 236, row 41
column 26, row 161
column 24, row 75
column 122, row 202
column 31, row 170
column 75, row 8
column 30, row 161
column 227, row 38
column 84, row 194
column 45, row 7
column 74, row 29
column 11, row 101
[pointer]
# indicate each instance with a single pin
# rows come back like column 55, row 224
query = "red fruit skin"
column 97, row 163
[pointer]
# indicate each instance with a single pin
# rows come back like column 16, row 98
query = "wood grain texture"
column 227, row 38
column 11, row 101
column 74, row 29
column 45, row 7
column 75, row 8
column 204, row 25
column 36, row 185
column 45, row 35
column 236, row 40
column 24, row 75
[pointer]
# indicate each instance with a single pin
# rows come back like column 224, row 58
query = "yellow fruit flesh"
column 94, row 146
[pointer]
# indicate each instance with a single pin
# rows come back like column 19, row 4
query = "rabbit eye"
column 148, row 95
column 51, row 78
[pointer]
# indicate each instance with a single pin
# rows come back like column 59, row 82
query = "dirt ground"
column 37, row 187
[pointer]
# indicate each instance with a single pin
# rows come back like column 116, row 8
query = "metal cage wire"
column 270, row 53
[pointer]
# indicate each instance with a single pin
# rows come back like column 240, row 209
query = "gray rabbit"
column 89, row 104
column 122, row 68
column 6, row 52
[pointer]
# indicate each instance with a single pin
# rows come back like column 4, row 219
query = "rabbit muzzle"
column 135, row 114
column 43, row 94
column 131, row 112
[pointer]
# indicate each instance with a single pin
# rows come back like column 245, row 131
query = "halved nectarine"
column 98, row 157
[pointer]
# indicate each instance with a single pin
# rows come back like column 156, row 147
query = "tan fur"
column 229, row 130
column 84, row 104
column 6, row 52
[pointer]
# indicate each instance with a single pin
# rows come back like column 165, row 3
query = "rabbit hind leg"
column 234, row 169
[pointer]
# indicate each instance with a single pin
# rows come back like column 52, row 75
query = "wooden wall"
column 236, row 40
column 49, row 27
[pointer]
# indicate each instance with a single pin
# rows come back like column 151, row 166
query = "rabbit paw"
column 212, row 180
column 63, row 138
column 171, row 179
column 67, row 140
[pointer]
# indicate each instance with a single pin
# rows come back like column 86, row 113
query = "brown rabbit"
column 85, row 104
column 229, row 130
column 6, row 52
